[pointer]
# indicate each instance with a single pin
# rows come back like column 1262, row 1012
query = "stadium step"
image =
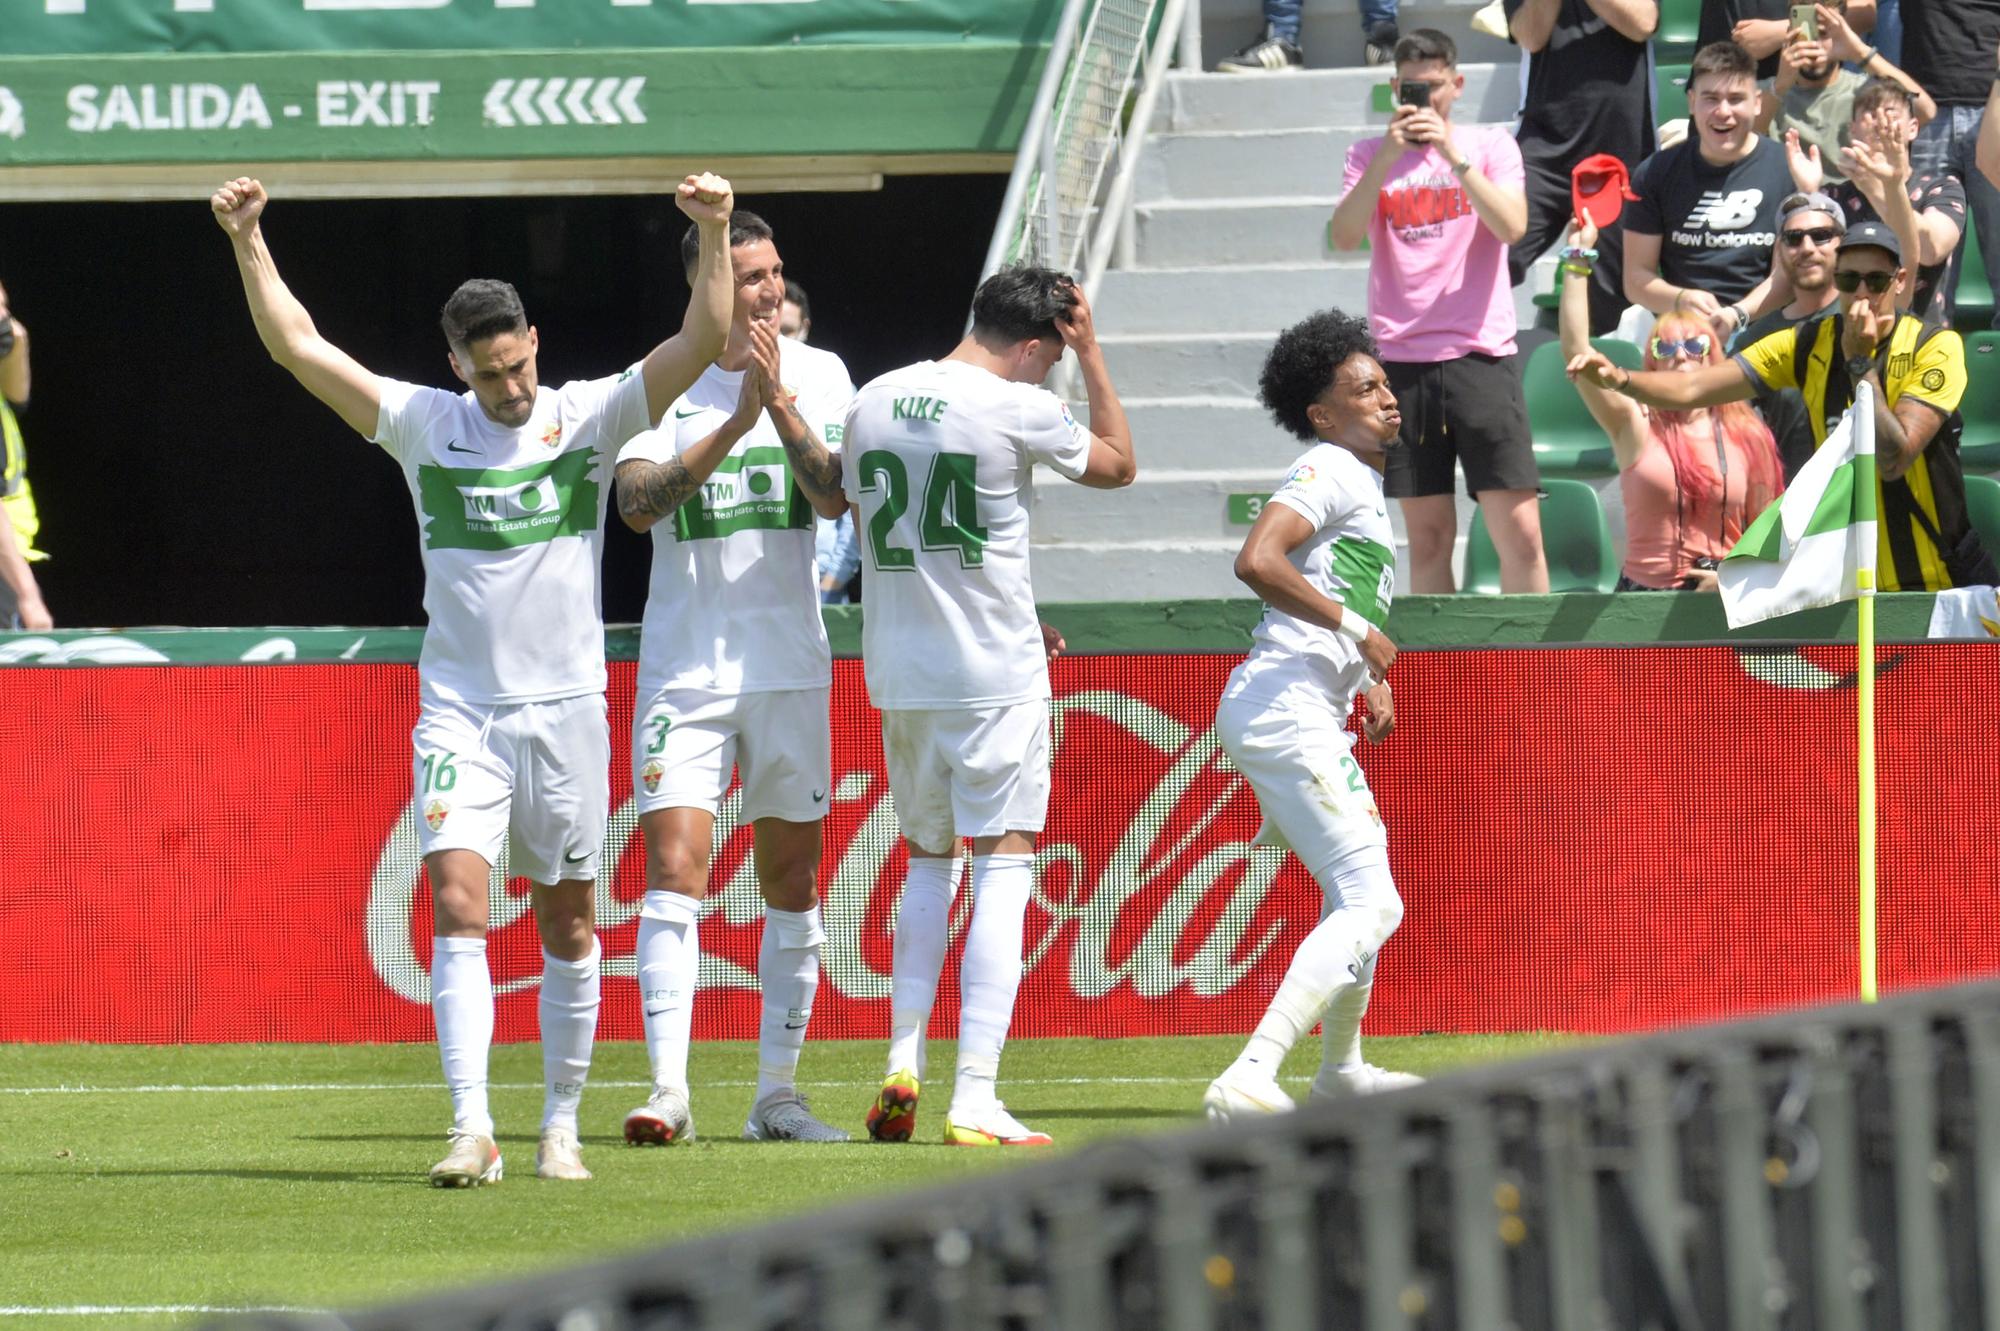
column 1261, row 299
column 1175, row 233
column 1232, row 163
column 1174, row 365
column 1315, row 98
column 1330, row 32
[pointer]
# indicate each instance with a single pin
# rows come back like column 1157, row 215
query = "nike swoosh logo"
column 819, row 795
column 453, row 447
column 795, row 1025
column 576, row 859
column 683, row 415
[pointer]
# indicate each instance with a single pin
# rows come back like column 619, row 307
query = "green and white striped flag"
column 1815, row 544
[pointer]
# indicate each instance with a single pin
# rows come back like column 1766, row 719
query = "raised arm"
column 1671, row 390
column 327, row 372
column 1112, row 463
column 1533, row 23
column 672, row 367
column 1618, row 417
column 1634, row 20
column 14, row 376
column 649, row 490
column 814, row 466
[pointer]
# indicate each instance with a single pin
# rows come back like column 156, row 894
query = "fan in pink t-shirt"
column 1438, row 204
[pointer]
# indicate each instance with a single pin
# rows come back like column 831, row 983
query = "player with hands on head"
column 735, row 678
column 510, row 480
column 1321, row 556
column 937, row 461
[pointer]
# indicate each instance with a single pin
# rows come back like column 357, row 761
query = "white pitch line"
column 143, row 1309
column 313, row 1087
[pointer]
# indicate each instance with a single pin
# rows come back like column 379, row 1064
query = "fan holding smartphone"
column 1438, row 204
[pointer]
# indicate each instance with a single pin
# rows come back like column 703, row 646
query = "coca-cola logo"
column 1146, row 876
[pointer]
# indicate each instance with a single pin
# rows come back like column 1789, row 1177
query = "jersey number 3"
column 947, row 520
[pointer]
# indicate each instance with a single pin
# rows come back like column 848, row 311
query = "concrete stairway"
column 1234, row 191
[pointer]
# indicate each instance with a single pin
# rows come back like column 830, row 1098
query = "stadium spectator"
column 1587, row 93
column 795, row 315
column 1917, row 370
column 1322, row 559
column 1761, row 26
column 1809, row 230
column 956, row 660
column 1691, row 480
column 1698, row 239
column 734, row 678
column 1948, row 48
column 1926, row 209
column 1278, row 49
column 1812, row 99
column 21, row 603
column 836, row 554
column 1438, row 204
column 510, row 484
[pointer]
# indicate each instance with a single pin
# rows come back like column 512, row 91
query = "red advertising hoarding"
column 1587, row 839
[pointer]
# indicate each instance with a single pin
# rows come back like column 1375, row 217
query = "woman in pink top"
column 1692, row 480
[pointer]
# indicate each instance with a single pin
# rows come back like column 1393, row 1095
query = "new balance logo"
column 1725, row 212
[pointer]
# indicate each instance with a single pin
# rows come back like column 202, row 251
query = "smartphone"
column 1806, row 19
column 1413, row 92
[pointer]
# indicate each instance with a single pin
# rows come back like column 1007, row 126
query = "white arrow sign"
column 13, row 124
column 559, row 101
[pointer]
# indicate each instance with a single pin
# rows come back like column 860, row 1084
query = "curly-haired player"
column 1322, row 559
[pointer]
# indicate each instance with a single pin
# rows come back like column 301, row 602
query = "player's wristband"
column 1353, row 625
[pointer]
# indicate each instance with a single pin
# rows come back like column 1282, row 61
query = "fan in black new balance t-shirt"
column 1700, row 235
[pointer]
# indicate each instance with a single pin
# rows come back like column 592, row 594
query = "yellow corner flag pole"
column 1864, row 586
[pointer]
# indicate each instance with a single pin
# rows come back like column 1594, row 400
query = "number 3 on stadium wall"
column 439, row 774
column 951, row 487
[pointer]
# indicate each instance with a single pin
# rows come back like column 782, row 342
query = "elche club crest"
column 435, row 813
column 552, row 437
column 651, row 773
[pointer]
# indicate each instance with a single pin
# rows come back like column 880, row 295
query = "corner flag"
column 1815, row 544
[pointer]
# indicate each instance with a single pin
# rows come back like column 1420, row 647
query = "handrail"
column 1113, row 219
column 1034, row 138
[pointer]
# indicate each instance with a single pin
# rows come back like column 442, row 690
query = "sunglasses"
column 1696, row 346
column 1851, row 281
column 1818, row 235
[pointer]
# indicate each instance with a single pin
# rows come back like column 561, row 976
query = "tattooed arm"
column 814, row 465
column 649, row 491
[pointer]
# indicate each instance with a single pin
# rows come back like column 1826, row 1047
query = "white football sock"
column 568, row 1012
column 788, row 973
column 1363, row 909
column 669, row 955
column 462, row 1006
column 991, row 973
column 923, row 932
column 1340, row 1026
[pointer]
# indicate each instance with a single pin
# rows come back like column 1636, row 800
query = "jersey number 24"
column 948, row 518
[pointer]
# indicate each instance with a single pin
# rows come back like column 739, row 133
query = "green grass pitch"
column 203, row 1178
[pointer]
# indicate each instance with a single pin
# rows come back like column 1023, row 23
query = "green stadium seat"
column 1568, row 441
column 1982, row 504
column 1972, row 303
column 1670, row 94
column 1575, row 537
column 1680, row 28
column 1979, row 443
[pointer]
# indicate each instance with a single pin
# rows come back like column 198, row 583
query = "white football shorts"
column 968, row 772
column 538, row 772
column 686, row 742
column 1300, row 761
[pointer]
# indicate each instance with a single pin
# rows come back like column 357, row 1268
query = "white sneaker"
column 663, row 1119
column 560, row 1155
column 991, row 1126
column 784, row 1116
column 472, row 1160
column 1236, row 1094
column 1365, row 1079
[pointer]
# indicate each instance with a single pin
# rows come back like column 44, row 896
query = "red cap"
column 1599, row 187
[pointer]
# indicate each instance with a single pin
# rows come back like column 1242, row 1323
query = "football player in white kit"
column 937, row 460
column 734, row 674
column 510, row 480
column 1323, row 560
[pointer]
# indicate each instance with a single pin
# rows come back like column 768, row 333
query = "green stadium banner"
column 127, row 99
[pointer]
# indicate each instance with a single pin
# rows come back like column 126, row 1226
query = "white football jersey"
column 937, row 457
column 734, row 606
column 1351, row 558
column 511, row 522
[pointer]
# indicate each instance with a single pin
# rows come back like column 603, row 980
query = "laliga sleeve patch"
column 1302, row 476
